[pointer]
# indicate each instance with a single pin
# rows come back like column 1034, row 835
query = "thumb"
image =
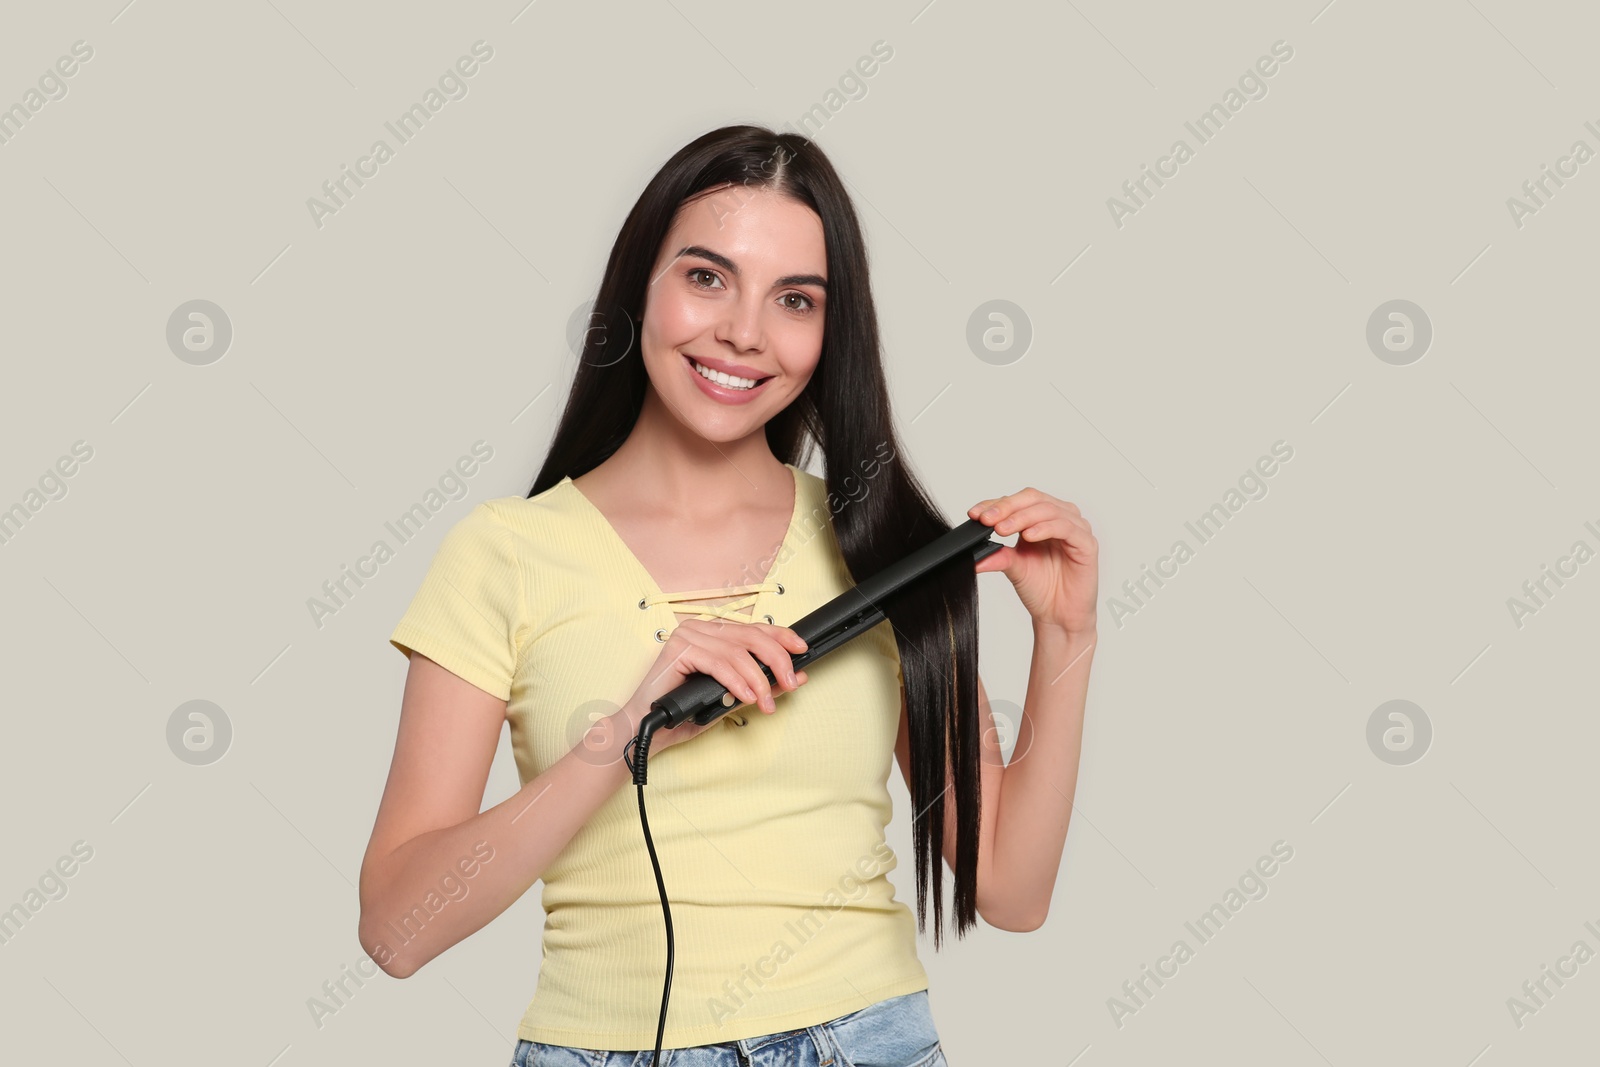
column 995, row 561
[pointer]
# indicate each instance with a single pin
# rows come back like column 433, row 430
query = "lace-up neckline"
column 734, row 610
column 748, row 596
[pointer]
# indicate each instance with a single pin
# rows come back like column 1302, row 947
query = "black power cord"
column 702, row 699
column 639, row 766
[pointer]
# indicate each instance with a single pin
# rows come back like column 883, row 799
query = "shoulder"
column 493, row 534
column 528, row 522
column 812, row 484
column 812, row 508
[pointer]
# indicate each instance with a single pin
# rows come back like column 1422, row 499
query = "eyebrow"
column 733, row 268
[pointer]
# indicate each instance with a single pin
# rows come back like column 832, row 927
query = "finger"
column 791, row 641
column 1021, row 517
column 721, row 652
column 739, row 673
column 996, row 561
column 766, row 647
column 691, row 650
column 1047, row 511
column 739, row 656
column 724, row 660
column 737, row 652
column 1000, row 504
column 727, row 670
column 1005, row 505
column 776, row 656
column 776, row 647
column 1081, row 545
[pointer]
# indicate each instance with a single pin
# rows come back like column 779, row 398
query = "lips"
column 724, row 394
column 747, row 375
column 733, row 370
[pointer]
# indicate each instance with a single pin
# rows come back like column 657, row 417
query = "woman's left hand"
column 1055, row 562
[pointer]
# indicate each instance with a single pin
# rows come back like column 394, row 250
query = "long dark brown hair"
column 844, row 412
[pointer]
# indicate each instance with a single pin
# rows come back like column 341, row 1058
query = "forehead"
column 757, row 228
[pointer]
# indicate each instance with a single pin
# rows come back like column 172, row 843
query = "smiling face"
column 738, row 291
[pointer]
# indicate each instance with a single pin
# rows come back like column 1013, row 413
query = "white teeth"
column 722, row 379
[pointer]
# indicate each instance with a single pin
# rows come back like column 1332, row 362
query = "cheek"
column 802, row 351
column 672, row 320
column 692, row 315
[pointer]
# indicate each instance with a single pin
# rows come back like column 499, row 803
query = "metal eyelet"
column 768, row 618
column 660, row 639
column 780, row 588
column 642, row 605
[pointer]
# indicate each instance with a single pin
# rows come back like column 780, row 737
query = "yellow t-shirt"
column 770, row 834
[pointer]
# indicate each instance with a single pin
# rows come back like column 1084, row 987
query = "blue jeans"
column 897, row 1032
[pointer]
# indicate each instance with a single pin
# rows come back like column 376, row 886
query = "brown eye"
column 693, row 274
column 810, row 305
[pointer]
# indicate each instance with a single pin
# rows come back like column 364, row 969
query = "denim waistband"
column 749, row 1045
column 896, row 1030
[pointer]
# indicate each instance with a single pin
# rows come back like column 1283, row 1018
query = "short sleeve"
column 468, row 616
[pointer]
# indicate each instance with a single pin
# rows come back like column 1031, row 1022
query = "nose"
column 742, row 326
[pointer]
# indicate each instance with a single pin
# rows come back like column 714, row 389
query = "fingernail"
column 990, row 513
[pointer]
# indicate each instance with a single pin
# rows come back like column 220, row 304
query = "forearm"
column 507, row 847
column 1036, row 791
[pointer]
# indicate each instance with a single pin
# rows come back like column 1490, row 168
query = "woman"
column 735, row 331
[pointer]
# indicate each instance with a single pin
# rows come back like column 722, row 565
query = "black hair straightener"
column 702, row 699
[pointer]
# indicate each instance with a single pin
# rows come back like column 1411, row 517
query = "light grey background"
column 1167, row 354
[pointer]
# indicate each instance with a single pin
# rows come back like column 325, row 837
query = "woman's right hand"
column 727, row 651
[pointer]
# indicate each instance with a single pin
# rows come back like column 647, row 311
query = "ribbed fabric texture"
column 770, row 834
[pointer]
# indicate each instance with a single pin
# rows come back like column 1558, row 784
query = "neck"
column 666, row 462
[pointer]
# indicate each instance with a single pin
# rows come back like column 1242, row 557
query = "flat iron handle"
column 703, row 699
